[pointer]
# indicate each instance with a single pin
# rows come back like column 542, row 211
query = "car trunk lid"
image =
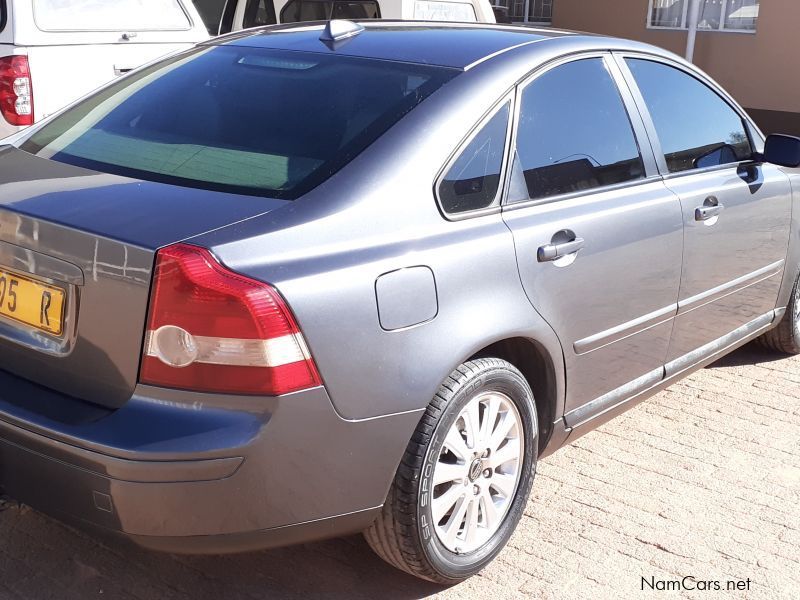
column 94, row 236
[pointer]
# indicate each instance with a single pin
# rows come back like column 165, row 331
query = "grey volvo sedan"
column 300, row 282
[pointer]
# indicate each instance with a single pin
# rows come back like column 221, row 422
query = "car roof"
column 456, row 45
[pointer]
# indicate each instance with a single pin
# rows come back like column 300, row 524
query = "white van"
column 52, row 52
column 242, row 14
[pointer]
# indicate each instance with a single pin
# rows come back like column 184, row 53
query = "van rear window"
column 102, row 15
column 243, row 120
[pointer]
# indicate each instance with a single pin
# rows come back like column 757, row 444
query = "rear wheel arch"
column 537, row 366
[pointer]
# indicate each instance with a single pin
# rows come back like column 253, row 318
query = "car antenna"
column 337, row 30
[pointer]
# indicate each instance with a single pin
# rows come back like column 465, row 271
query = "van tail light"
column 212, row 330
column 16, row 90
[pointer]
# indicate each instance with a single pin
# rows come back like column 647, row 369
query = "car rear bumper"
column 199, row 473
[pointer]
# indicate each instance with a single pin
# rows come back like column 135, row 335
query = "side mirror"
column 782, row 150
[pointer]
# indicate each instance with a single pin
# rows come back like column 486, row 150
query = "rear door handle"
column 710, row 209
column 551, row 252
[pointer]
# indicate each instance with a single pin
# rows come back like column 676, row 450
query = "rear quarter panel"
column 379, row 214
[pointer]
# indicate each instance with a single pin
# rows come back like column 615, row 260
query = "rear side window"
column 437, row 10
column 244, row 120
column 696, row 127
column 574, row 133
column 472, row 182
column 322, row 10
column 119, row 15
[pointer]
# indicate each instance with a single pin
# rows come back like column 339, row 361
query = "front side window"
column 714, row 15
column 242, row 120
column 473, row 180
column 120, row 15
column 574, row 133
column 696, row 127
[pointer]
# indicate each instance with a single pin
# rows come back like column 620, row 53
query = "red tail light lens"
column 16, row 90
column 213, row 330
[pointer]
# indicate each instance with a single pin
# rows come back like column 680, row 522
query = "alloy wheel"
column 477, row 472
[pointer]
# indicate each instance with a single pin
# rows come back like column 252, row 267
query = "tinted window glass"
column 258, row 13
column 291, row 12
column 211, row 13
column 356, row 10
column 247, row 120
column 322, row 10
column 696, row 127
column 474, row 178
column 574, row 132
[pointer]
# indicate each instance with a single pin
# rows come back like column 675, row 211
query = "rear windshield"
column 243, row 120
column 110, row 15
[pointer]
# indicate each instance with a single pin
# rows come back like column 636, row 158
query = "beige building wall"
column 760, row 70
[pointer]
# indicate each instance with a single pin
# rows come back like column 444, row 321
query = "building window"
column 539, row 11
column 715, row 15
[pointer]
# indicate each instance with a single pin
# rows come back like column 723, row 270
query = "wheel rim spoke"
column 447, row 472
column 505, row 454
column 507, row 422
column 440, row 506
column 472, row 420
column 489, row 419
column 455, row 443
column 471, row 522
column 453, row 525
column 504, row 484
column 473, row 489
column 489, row 510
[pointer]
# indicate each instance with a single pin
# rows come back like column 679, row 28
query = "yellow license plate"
column 32, row 302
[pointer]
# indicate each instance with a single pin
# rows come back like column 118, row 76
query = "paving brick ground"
column 701, row 480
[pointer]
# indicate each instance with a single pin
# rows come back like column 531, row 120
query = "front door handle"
column 551, row 252
column 710, row 209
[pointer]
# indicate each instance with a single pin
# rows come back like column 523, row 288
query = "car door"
column 598, row 237
column 736, row 211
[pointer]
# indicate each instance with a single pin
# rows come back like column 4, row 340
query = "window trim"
column 496, row 205
column 640, row 133
column 685, row 17
column 751, row 129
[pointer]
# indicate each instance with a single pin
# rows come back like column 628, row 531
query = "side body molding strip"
column 730, row 287
column 605, row 407
column 662, row 315
column 620, row 332
column 695, row 356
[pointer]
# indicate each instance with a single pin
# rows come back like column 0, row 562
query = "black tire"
column 785, row 337
column 401, row 534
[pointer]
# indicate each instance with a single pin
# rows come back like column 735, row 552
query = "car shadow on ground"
column 89, row 563
column 343, row 568
column 749, row 354
column 340, row 568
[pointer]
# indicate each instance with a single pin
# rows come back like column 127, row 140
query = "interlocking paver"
column 701, row 480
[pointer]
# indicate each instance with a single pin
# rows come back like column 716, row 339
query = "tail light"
column 16, row 90
column 213, row 330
